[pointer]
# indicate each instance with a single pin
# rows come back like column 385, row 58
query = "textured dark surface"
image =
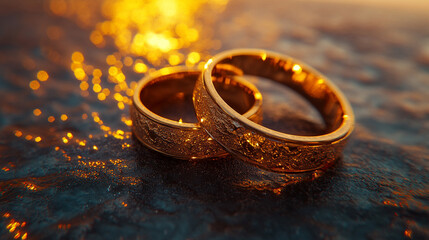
column 378, row 55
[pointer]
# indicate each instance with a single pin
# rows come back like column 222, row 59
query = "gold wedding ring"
column 175, row 137
column 264, row 147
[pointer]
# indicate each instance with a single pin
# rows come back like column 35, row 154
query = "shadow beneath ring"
column 227, row 183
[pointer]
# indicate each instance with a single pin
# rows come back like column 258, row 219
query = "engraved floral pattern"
column 259, row 149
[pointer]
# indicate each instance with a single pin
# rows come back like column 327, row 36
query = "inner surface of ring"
column 311, row 86
column 170, row 96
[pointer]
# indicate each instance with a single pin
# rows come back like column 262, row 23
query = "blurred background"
column 70, row 168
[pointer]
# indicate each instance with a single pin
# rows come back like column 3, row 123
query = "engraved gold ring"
column 259, row 145
column 166, row 132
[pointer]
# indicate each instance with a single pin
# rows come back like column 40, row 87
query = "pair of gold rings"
column 228, row 112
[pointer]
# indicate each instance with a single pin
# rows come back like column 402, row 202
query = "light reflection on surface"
column 15, row 228
column 160, row 31
column 144, row 32
column 145, row 35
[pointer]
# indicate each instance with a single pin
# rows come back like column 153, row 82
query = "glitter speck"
column 18, row 133
column 51, row 119
column 64, row 117
column 34, row 85
column 296, row 68
column 37, row 112
column 42, row 75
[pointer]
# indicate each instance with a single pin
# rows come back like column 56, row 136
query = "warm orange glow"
column 64, row 226
column 118, row 97
column 192, row 34
column 208, row 63
column 13, row 227
column 37, row 112
column 408, row 233
column 120, row 77
column 10, row 224
column 101, row 96
column 97, row 38
column 34, row 85
column 299, row 76
column 77, row 57
column 130, row 25
column 113, row 71
column 147, row 35
column 79, row 73
column 111, row 60
column 140, row 67
column 84, row 86
column 263, row 56
column 96, row 118
column 51, row 119
column 42, row 75
column 277, row 191
column 119, row 134
column 174, row 59
column 127, row 121
column 96, row 88
column 18, row 133
column 296, row 68
column 128, row 61
column 75, row 65
column 105, row 128
column 121, row 105
column 193, row 57
column 30, row 186
column 58, row 7
column 129, row 92
column 97, row 73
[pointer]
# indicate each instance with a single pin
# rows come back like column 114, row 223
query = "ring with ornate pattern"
column 259, row 145
column 167, row 132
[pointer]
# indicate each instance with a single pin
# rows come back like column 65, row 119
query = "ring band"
column 179, row 139
column 264, row 147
